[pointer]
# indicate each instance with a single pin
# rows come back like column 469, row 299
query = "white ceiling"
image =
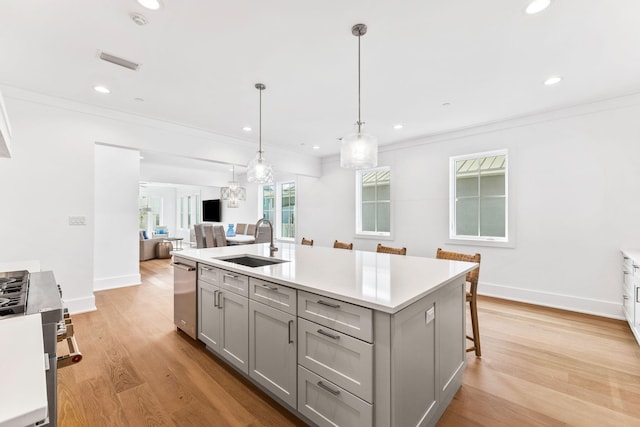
column 201, row 58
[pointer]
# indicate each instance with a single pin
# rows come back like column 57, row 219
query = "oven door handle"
column 182, row 266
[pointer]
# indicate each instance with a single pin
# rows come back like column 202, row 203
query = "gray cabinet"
column 631, row 290
column 223, row 314
column 272, row 350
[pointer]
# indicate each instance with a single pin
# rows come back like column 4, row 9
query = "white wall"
column 574, row 177
column 50, row 177
column 116, row 244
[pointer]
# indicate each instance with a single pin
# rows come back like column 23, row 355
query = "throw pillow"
column 144, row 234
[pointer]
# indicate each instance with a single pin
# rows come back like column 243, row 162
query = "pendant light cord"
column 359, row 121
column 260, row 127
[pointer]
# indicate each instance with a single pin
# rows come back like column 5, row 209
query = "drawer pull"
column 624, row 297
column 271, row 288
column 206, row 268
column 230, row 276
column 329, row 389
column 219, row 300
column 289, row 336
column 327, row 334
column 627, row 272
column 215, row 298
column 328, row 304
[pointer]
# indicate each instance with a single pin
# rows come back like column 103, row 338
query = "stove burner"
column 4, row 301
column 7, row 280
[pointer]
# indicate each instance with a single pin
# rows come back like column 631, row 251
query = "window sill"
column 485, row 243
column 374, row 236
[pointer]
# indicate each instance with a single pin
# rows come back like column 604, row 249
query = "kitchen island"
column 338, row 337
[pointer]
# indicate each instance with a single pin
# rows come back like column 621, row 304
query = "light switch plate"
column 77, row 220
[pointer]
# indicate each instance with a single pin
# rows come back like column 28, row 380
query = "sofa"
column 148, row 246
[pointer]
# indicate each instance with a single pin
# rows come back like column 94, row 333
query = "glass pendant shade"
column 259, row 170
column 359, row 151
column 233, row 194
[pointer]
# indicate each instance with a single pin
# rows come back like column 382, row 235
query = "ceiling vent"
column 118, row 61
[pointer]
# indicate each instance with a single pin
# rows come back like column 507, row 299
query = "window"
column 479, row 197
column 269, row 202
column 150, row 212
column 373, row 202
column 279, row 207
column 188, row 211
column 288, row 207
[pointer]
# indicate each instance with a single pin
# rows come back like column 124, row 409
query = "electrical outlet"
column 431, row 314
column 77, row 220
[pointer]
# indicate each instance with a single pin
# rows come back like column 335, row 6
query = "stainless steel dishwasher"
column 184, row 296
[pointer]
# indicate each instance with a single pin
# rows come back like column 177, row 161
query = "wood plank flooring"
column 540, row 367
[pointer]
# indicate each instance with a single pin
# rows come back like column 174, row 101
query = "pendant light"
column 359, row 150
column 233, row 194
column 258, row 170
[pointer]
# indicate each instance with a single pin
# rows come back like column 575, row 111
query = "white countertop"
column 24, row 393
column 382, row 282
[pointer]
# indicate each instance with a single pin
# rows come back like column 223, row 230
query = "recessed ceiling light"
column 537, row 6
column 398, row 126
column 247, row 128
column 139, row 99
column 446, row 104
column 150, row 4
column 316, row 147
column 141, row 157
column 552, row 80
column 101, row 89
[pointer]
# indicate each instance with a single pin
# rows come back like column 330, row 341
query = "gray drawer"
column 208, row 274
column 326, row 404
column 342, row 316
column 344, row 360
column 234, row 282
column 276, row 296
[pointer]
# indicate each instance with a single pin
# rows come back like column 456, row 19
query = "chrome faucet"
column 272, row 249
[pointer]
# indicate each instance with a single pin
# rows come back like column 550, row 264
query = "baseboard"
column 566, row 302
column 80, row 305
column 116, row 282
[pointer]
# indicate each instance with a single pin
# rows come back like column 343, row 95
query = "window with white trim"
column 278, row 204
column 373, row 201
column 479, row 197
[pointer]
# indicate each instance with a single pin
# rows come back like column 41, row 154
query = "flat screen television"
column 211, row 210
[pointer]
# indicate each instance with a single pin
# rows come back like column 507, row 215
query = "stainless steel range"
column 23, row 293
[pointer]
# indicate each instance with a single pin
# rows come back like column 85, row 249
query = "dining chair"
column 390, row 250
column 262, row 234
column 209, row 238
column 219, row 235
column 472, row 281
column 341, row 245
column 307, row 242
column 240, row 228
column 251, row 229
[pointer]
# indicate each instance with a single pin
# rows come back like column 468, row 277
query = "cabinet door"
column 208, row 315
column 272, row 346
column 414, row 390
column 234, row 329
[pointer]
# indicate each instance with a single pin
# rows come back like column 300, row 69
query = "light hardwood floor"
column 540, row 367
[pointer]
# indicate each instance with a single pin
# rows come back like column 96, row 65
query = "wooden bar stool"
column 472, row 280
column 389, row 250
column 307, row 242
column 341, row 245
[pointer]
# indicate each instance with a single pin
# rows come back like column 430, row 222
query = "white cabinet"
column 223, row 314
column 631, row 290
column 272, row 350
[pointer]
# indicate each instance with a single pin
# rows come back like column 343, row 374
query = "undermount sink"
column 252, row 261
